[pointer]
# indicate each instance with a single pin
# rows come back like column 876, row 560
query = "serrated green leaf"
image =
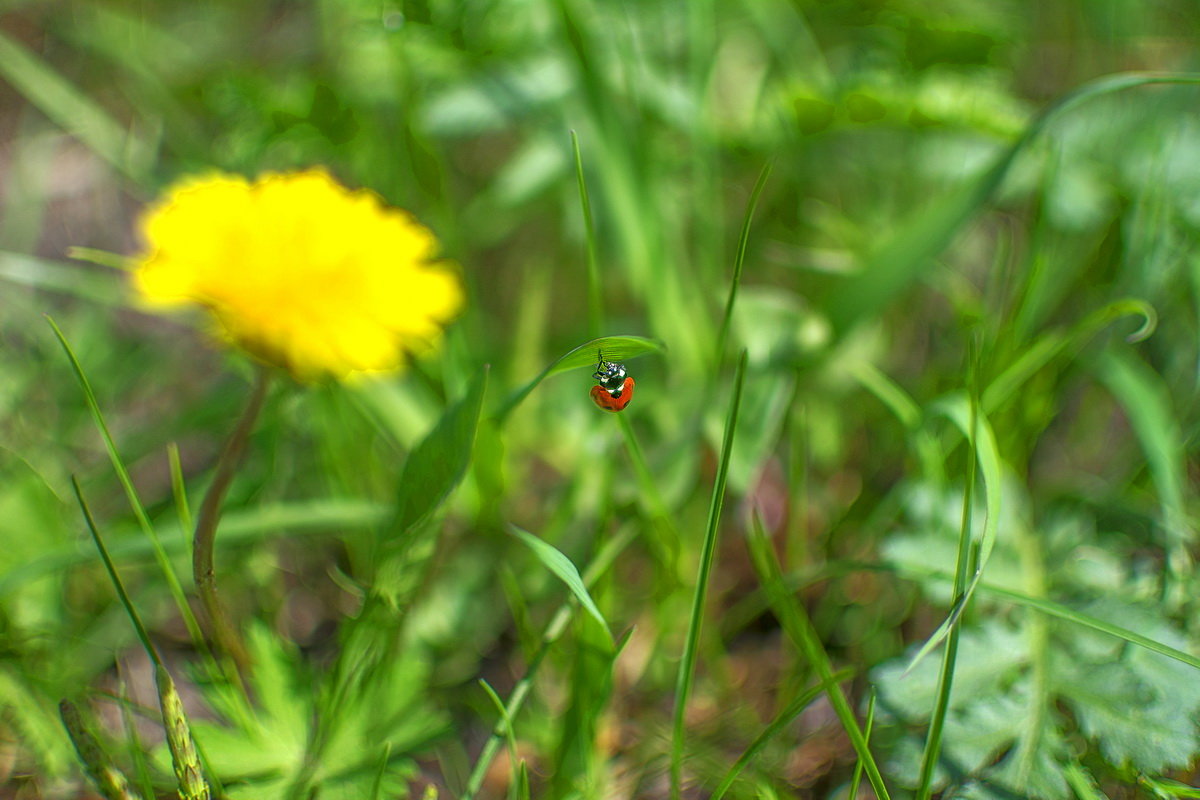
column 614, row 348
column 562, row 567
column 438, row 463
column 1127, row 718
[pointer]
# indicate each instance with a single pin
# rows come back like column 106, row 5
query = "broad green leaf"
column 562, row 567
column 614, row 348
column 438, row 463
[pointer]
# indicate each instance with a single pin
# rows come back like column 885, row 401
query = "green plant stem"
column 687, row 664
column 933, row 741
column 221, row 629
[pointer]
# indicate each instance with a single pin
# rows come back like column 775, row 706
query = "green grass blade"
column 796, row 624
column 595, row 295
column 740, row 260
column 933, row 740
column 856, row 780
column 906, row 254
column 558, row 623
column 889, row 393
column 71, row 109
column 179, row 488
column 983, row 443
column 780, row 723
column 614, row 348
column 1144, row 396
column 505, row 720
column 135, row 503
column 138, row 627
column 1045, row 349
column 381, row 771
column 687, row 664
column 64, row 278
column 437, row 465
column 562, row 567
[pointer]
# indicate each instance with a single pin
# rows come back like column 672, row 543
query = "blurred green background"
column 892, row 271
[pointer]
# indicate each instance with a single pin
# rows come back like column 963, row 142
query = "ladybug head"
column 609, row 374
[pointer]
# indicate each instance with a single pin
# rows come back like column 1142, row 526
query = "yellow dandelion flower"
column 299, row 271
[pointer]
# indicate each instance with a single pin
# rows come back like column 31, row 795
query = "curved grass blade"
column 740, row 259
column 957, row 409
column 687, row 664
column 614, row 348
column 438, row 463
column 562, row 567
column 1143, row 395
column 768, row 733
column 910, row 251
column 1045, row 349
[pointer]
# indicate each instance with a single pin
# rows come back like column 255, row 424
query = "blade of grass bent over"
column 687, row 664
column 614, row 348
column 796, row 624
column 562, row 567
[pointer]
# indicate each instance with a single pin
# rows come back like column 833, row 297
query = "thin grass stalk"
column 558, row 623
column 135, row 503
column 856, row 780
column 185, row 758
column 739, row 261
column 224, row 633
column 687, row 664
column 594, row 296
column 650, row 488
column 179, row 488
column 933, row 741
column 798, row 627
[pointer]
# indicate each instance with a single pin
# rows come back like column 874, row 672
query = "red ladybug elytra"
column 615, row 388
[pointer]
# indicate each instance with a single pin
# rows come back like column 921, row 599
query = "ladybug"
column 615, row 388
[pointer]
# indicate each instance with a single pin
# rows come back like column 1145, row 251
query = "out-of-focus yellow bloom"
column 299, row 271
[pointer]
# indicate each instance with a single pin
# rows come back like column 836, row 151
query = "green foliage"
column 1030, row 686
column 955, row 182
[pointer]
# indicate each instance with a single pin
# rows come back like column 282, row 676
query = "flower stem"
column 221, row 629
